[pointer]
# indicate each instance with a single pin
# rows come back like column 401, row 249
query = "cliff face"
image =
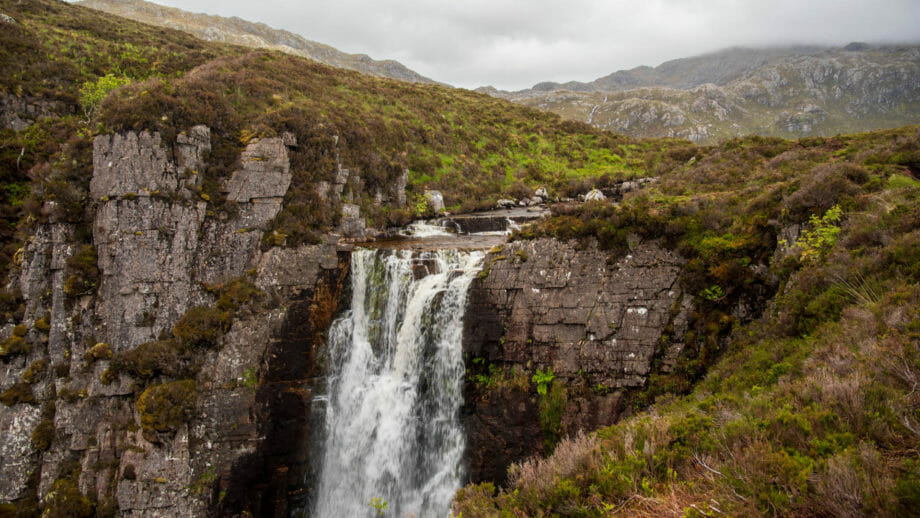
column 544, row 304
column 242, row 442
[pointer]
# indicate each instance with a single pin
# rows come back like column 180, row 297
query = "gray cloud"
column 513, row 44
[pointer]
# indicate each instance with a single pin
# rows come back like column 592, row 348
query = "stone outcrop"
column 160, row 248
column 598, row 325
column 18, row 113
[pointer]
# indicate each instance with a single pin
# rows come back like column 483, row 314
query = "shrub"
column 151, row 359
column 826, row 186
column 236, row 293
column 201, row 326
column 65, row 501
column 84, row 272
column 93, row 92
column 163, row 408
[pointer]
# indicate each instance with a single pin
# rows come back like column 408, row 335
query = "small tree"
column 820, row 236
column 93, row 92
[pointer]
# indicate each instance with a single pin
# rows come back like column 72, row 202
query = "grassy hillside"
column 99, row 74
column 810, row 410
column 249, row 34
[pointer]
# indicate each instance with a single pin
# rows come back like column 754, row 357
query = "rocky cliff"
column 101, row 364
column 551, row 307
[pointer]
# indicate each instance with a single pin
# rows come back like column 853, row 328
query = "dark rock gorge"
column 244, row 445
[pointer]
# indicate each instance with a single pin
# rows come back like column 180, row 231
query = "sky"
column 513, row 44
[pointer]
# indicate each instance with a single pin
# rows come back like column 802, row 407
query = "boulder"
column 435, row 200
column 595, row 195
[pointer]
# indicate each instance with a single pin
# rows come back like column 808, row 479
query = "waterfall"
column 395, row 371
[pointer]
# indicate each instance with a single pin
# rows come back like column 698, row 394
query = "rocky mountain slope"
column 777, row 92
column 258, row 35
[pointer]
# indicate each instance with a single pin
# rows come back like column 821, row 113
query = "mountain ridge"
column 238, row 31
column 783, row 92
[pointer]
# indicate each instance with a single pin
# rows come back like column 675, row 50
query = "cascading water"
column 392, row 429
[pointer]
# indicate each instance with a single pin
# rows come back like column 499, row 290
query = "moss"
column 71, row 395
column 43, row 325
column 83, row 272
column 14, row 345
column 165, row 407
column 237, row 293
column 35, row 370
column 108, row 377
column 20, row 392
column 65, row 501
column 62, row 370
column 201, row 327
column 20, row 330
column 100, row 351
column 151, row 359
column 43, row 435
column 11, row 304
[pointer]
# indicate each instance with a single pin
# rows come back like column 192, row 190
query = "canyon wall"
column 123, row 290
column 598, row 325
column 158, row 250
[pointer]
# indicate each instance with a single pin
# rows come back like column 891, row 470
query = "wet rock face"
column 157, row 249
column 548, row 305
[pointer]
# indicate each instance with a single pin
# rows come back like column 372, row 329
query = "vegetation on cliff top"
column 127, row 76
column 810, row 409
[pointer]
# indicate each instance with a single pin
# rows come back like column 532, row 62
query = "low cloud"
column 512, row 44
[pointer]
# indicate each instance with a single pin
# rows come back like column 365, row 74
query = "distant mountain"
column 786, row 92
column 249, row 34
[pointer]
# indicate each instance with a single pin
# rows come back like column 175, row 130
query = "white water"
column 423, row 229
column 392, row 427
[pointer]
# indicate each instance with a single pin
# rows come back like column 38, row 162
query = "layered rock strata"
column 161, row 250
column 544, row 304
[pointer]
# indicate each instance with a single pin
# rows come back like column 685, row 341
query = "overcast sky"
column 512, row 44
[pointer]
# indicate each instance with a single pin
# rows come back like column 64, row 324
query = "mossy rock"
column 163, row 408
